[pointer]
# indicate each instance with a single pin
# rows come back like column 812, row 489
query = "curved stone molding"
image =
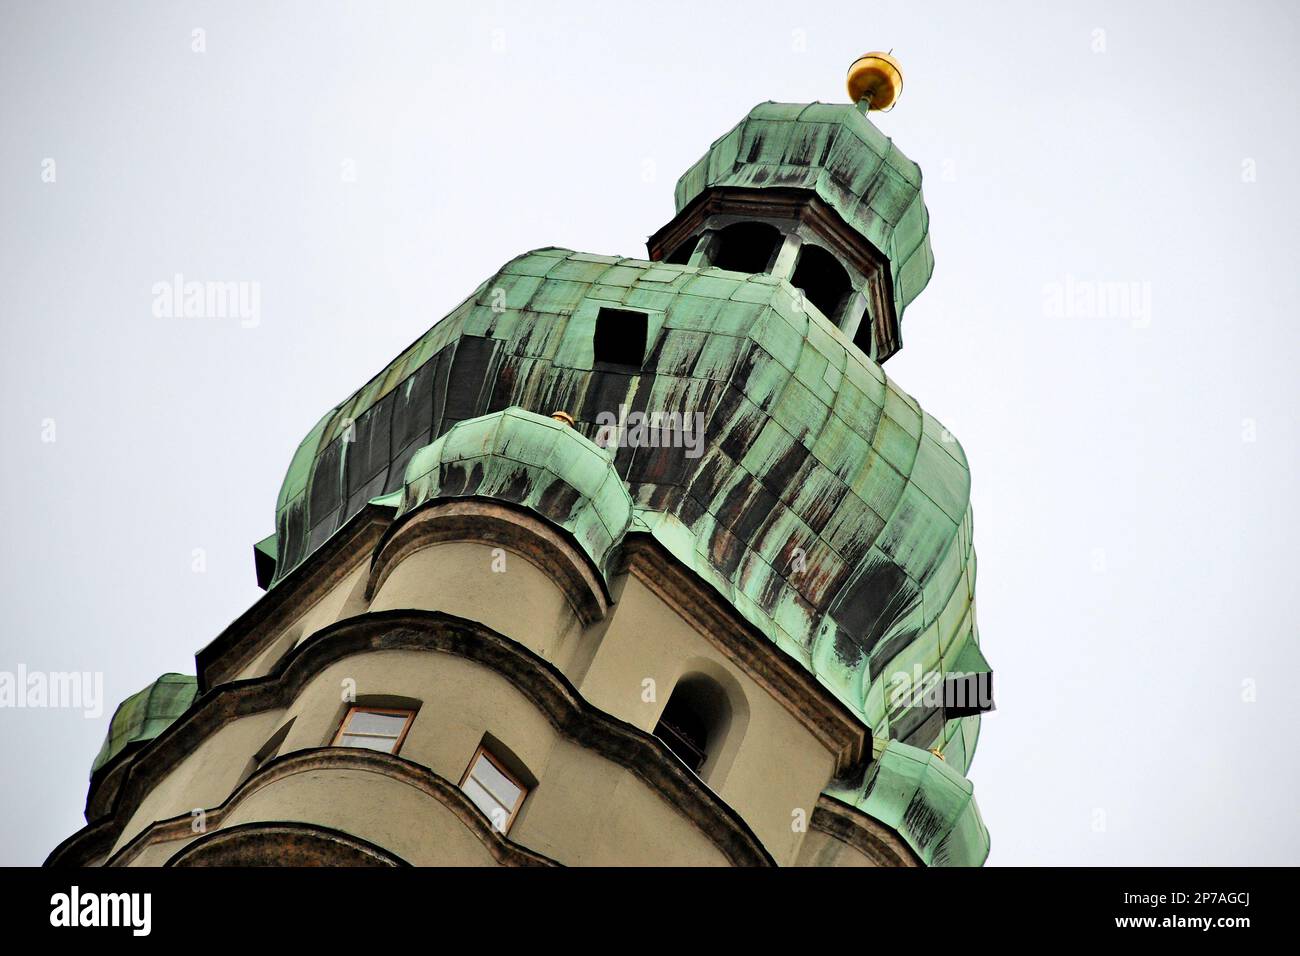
column 503, row 850
column 865, row 834
column 856, row 484
column 826, row 718
column 282, row 844
column 92, row 842
column 566, row 710
column 249, row 634
column 536, row 462
column 482, row 521
column 146, row 714
column 930, row 804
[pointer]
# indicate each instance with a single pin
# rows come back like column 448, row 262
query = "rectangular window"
column 620, row 340
column 493, row 789
column 374, row 728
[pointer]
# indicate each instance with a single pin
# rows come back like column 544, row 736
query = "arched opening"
column 747, row 247
column 684, row 728
column 823, row 280
column 703, row 721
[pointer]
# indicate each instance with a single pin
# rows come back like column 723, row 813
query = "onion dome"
column 531, row 461
column 146, row 714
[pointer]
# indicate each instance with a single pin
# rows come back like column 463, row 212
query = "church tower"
column 623, row 562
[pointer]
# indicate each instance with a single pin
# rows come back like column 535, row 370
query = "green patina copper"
column 266, row 547
column 145, row 715
column 827, row 506
column 835, row 151
column 533, row 461
column 930, row 804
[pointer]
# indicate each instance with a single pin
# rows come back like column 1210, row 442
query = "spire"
column 814, row 194
column 875, row 82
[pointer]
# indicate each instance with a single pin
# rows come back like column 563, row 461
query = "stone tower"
column 624, row 561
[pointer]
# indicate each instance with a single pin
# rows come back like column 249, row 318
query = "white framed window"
column 374, row 728
column 493, row 789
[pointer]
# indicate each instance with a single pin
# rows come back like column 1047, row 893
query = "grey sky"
column 1133, row 461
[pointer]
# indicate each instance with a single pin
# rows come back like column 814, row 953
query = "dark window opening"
column 822, row 279
column 695, row 720
column 682, row 254
column 862, row 338
column 620, row 340
column 747, row 247
column 685, row 733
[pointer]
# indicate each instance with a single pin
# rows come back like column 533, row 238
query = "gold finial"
column 938, row 753
column 563, row 417
column 875, row 81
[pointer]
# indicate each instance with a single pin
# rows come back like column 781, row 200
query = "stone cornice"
column 283, row 844
column 503, row 850
column 805, row 206
column 492, row 523
column 567, row 711
column 247, row 636
column 785, row 679
column 864, row 833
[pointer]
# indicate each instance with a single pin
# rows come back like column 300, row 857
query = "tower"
column 624, row 561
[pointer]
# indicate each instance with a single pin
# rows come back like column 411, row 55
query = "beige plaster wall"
column 778, row 766
column 822, row 849
column 345, row 599
column 585, row 809
column 457, row 578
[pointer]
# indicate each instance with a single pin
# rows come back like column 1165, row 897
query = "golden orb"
column 876, row 78
column 564, row 417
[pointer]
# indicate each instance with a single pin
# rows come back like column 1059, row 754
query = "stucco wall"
column 778, row 767
column 460, row 578
column 585, row 809
column 343, row 600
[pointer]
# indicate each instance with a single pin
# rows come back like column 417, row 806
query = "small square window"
column 620, row 340
column 493, row 789
column 374, row 728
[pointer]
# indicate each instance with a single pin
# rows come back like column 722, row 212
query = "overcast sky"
column 1111, row 332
